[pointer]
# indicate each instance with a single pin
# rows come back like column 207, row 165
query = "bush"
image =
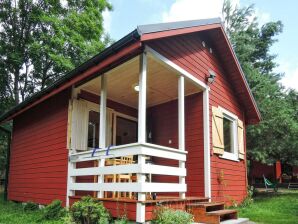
column 30, row 206
column 122, row 220
column 54, row 210
column 89, row 211
column 249, row 198
column 165, row 215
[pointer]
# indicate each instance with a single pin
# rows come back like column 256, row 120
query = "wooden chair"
column 110, row 178
column 124, row 160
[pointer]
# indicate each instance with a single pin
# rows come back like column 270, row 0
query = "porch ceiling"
column 162, row 83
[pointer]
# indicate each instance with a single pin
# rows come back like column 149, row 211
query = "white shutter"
column 79, row 125
column 240, row 140
column 217, row 131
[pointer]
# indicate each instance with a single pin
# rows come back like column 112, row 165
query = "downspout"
column 8, row 133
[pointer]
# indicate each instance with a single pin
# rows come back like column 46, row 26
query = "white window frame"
column 118, row 114
column 234, row 155
column 94, row 107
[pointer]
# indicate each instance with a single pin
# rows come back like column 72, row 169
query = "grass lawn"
column 13, row 213
column 281, row 207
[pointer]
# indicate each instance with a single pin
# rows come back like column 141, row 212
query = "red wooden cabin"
column 171, row 97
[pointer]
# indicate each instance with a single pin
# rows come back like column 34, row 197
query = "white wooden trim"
column 128, row 117
column 70, row 181
column 102, row 129
column 175, row 67
column 230, row 114
column 129, row 187
column 70, row 165
column 141, row 179
column 181, row 126
column 131, row 149
column 141, row 213
column 142, row 98
column 131, row 168
column 181, row 112
column 234, row 155
column 103, row 112
column 230, row 156
column 207, row 163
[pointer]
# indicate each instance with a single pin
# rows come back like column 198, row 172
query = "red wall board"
column 38, row 163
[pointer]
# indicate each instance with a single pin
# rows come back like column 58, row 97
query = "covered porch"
column 126, row 135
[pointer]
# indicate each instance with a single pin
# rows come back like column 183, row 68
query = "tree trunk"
column 16, row 88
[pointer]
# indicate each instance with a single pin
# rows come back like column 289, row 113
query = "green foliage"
column 54, row 211
column 3, row 153
column 275, row 138
column 41, row 40
column 249, row 198
column 164, row 215
column 89, row 211
column 122, row 220
column 13, row 213
column 30, row 206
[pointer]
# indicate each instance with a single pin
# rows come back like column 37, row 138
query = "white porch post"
column 70, row 180
column 206, row 123
column 102, row 126
column 141, row 178
column 181, row 126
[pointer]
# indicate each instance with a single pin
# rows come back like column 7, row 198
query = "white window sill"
column 230, row 156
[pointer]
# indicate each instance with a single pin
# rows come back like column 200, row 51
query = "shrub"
column 30, row 206
column 249, row 198
column 54, row 210
column 89, row 211
column 122, row 220
column 165, row 215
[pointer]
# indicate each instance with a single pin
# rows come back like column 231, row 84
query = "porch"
column 132, row 157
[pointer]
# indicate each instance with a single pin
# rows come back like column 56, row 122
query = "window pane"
column 93, row 129
column 126, row 131
column 227, row 131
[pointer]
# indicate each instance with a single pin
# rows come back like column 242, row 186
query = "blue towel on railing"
column 107, row 151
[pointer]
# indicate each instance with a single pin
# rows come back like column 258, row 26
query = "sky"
column 128, row 14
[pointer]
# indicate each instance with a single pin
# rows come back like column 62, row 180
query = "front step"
column 237, row 221
column 222, row 215
column 210, row 212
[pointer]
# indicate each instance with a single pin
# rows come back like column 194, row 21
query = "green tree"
column 275, row 137
column 41, row 40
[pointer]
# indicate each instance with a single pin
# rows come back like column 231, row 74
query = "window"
column 93, row 129
column 228, row 135
column 126, row 131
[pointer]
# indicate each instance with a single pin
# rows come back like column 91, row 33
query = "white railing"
column 141, row 168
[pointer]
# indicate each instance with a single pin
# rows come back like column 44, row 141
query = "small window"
column 228, row 135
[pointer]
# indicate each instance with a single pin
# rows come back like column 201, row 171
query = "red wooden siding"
column 165, row 126
column 187, row 52
column 38, row 164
